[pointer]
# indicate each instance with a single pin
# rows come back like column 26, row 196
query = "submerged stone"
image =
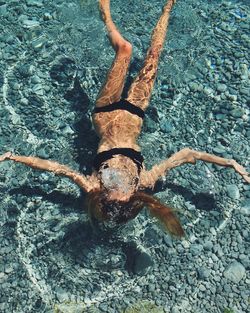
column 235, row 272
column 245, row 207
column 237, row 113
column 233, row 191
column 219, row 150
column 3, row 9
column 144, row 306
column 37, row 3
column 143, row 262
column 70, row 308
column 30, row 23
column 166, row 126
column 39, row 42
column 221, row 87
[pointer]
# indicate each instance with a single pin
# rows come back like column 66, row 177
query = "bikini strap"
column 122, row 104
column 134, row 155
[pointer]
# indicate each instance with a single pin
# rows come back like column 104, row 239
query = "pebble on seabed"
column 233, row 191
column 235, row 272
column 245, row 207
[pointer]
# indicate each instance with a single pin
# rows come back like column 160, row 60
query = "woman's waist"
column 118, row 124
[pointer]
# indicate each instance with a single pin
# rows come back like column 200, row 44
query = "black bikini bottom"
column 121, row 105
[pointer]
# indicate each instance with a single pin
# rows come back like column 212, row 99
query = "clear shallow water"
column 50, row 73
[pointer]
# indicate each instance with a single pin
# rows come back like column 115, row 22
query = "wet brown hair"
column 120, row 212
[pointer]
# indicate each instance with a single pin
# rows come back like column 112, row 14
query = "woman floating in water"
column 115, row 188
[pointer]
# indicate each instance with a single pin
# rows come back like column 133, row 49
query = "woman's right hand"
column 5, row 156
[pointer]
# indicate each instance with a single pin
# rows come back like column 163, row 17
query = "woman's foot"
column 116, row 39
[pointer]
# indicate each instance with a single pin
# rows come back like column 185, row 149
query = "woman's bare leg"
column 140, row 90
column 112, row 89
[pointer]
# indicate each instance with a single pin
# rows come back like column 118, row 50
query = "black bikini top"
column 121, row 105
column 134, row 155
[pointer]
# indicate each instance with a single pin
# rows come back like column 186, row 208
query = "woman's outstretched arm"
column 51, row 166
column 186, row 155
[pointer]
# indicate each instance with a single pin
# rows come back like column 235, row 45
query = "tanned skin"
column 120, row 128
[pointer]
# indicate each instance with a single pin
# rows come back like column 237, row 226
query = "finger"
column 5, row 156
